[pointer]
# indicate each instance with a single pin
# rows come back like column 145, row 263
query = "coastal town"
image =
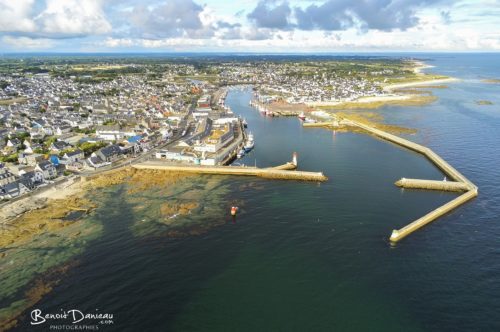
column 280, row 165
column 58, row 119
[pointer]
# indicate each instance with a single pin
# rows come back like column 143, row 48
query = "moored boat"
column 240, row 154
column 249, row 144
column 302, row 116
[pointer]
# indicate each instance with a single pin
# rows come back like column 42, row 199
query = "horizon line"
column 310, row 53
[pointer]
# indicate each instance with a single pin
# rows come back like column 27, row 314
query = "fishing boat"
column 302, row 116
column 249, row 144
column 240, row 154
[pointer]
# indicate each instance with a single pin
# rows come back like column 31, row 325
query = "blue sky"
column 249, row 26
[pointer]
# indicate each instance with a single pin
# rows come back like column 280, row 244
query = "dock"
column 460, row 183
column 269, row 173
column 318, row 124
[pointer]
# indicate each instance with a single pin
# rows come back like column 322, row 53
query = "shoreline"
column 420, row 65
column 391, row 96
column 391, row 87
column 16, row 209
column 12, row 210
column 46, row 221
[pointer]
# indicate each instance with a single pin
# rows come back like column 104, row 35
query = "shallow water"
column 306, row 256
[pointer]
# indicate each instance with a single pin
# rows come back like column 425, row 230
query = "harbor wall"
column 269, row 173
column 399, row 234
column 431, row 155
column 432, row 185
column 317, row 124
column 461, row 183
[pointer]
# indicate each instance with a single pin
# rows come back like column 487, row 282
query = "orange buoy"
column 234, row 209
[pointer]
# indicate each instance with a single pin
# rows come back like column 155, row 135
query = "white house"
column 48, row 170
column 109, row 133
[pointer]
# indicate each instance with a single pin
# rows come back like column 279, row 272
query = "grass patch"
column 483, row 102
column 373, row 120
column 413, row 101
column 491, row 80
column 19, row 100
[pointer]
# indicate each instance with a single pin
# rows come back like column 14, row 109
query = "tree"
column 12, row 158
column 49, row 141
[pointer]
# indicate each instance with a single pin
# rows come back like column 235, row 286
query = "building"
column 203, row 129
column 204, row 101
column 6, row 176
column 12, row 190
column 218, row 138
column 59, row 146
column 74, row 156
column 177, row 154
column 48, row 170
column 109, row 153
column 29, row 159
column 109, row 133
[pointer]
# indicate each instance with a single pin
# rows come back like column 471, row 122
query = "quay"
column 269, row 173
column 461, row 182
column 318, row 124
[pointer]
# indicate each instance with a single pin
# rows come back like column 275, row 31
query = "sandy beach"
column 421, row 66
column 391, row 87
column 391, row 97
column 365, row 100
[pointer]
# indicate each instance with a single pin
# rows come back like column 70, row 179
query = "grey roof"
column 111, row 150
column 60, row 145
column 13, row 188
column 74, row 153
column 45, row 165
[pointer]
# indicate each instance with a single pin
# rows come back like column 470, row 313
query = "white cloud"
column 15, row 16
column 73, row 18
column 211, row 25
column 23, row 43
column 118, row 42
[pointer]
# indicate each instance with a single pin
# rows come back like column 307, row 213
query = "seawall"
column 461, row 182
column 270, row 173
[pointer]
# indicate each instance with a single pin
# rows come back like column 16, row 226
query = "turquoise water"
column 315, row 257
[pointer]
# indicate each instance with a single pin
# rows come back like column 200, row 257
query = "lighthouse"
column 294, row 159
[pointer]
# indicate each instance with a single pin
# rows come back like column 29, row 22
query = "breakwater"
column 269, row 173
column 432, row 185
column 461, row 183
column 288, row 166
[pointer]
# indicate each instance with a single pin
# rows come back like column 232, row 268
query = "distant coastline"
column 394, row 97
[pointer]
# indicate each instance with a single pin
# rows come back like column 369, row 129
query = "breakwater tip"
column 394, row 235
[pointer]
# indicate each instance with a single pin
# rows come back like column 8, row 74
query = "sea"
column 302, row 256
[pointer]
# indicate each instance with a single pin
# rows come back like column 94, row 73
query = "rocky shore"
column 38, row 236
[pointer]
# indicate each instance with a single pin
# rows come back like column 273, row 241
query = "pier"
column 460, row 183
column 318, row 124
column 269, row 173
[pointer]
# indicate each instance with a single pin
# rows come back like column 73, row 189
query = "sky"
column 295, row 26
